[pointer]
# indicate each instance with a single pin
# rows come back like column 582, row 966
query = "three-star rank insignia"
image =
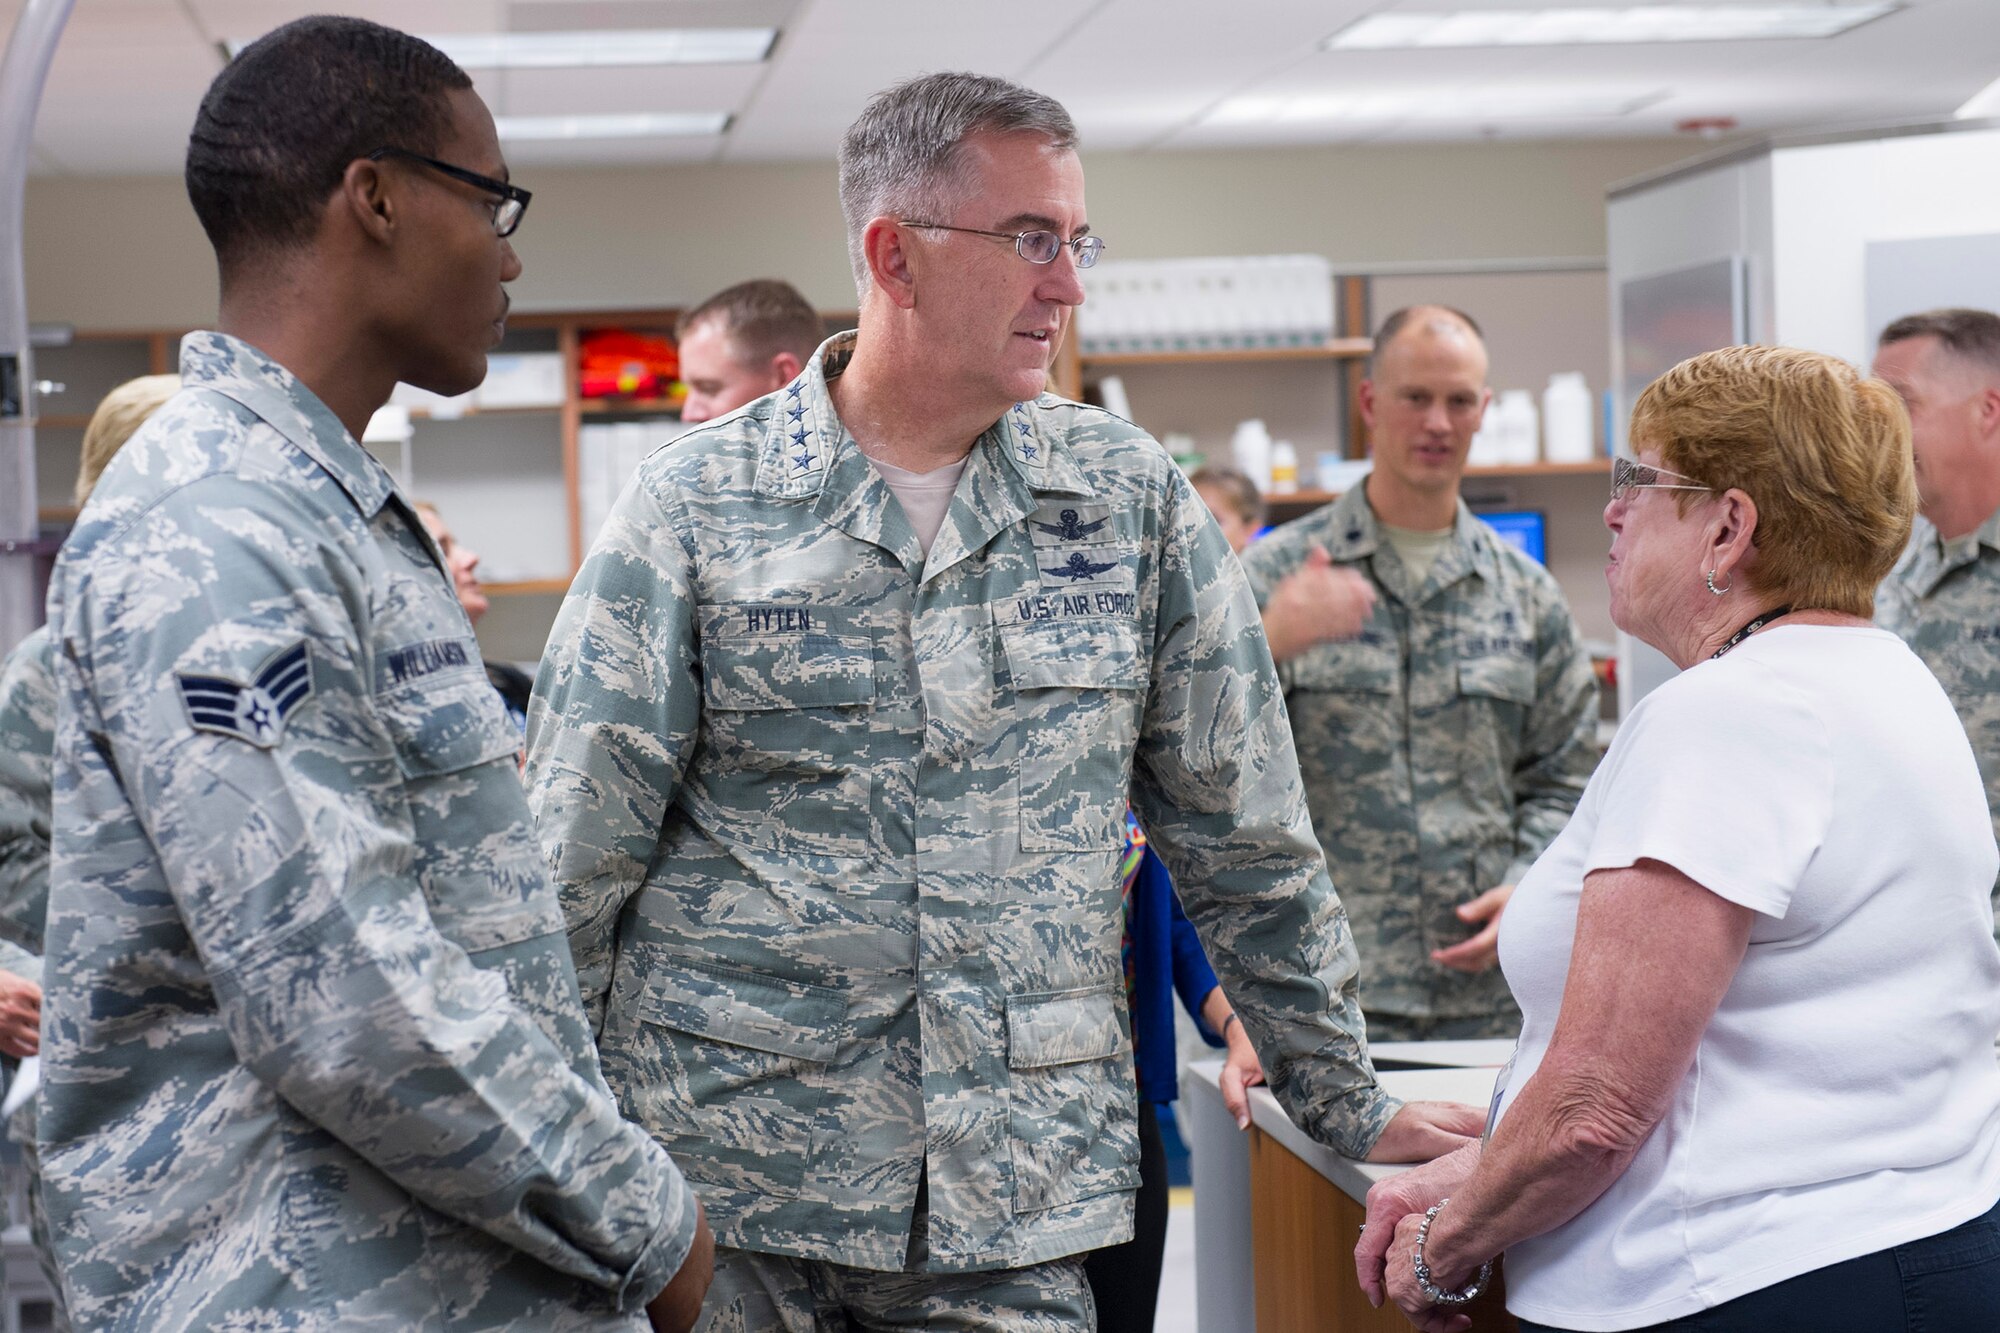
column 255, row 712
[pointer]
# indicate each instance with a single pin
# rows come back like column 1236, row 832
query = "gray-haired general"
column 313, row 1054
column 1943, row 597
column 831, row 753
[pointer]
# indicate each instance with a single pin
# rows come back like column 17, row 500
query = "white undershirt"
column 1845, row 1097
column 924, row 496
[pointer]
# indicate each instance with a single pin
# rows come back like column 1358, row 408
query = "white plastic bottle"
column 1566, row 412
column 1251, row 446
column 1284, row 468
column 1520, row 427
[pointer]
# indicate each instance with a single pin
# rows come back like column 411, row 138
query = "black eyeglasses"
column 512, row 199
column 1037, row 247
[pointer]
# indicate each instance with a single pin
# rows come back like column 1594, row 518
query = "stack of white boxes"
column 607, row 454
column 1207, row 305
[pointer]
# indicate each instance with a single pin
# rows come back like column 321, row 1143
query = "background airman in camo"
column 1943, row 597
column 833, row 776
column 1442, row 703
column 314, row 1057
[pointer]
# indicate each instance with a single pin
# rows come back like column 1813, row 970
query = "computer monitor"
column 1527, row 529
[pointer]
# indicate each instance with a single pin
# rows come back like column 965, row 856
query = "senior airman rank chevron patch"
column 255, row 712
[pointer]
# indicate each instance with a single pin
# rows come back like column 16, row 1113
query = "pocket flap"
column 1095, row 653
column 746, row 1009
column 1066, row 1027
column 1356, row 666
column 786, row 672
column 1508, row 678
column 446, row 723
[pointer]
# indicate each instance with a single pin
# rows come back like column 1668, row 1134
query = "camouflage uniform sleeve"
column 289, row 866
column 1216, row 786
column 1559, row 741
column 27, row 744
column 616, row 706
column 15, row 959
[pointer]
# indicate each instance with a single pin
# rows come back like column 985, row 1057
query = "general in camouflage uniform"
column 313, row 1052
column 1447, row 729
column 836, row 801
column 1943, row 597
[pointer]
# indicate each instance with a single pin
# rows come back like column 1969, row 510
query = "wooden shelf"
column 1595, row 467
column 591, row 407
column 543, row 409
column 527, row 588
column 1340, row 349
column 56, row 514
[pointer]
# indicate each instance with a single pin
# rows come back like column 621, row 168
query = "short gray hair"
column 901, row 156
column 1971, row 334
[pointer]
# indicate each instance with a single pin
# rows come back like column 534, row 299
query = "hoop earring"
column 1710, row 577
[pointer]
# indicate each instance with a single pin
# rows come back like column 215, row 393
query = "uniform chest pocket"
column 1494, row 696
column 785, row 722
column 1077, row 688
column 458, row 755
column 1356, row 666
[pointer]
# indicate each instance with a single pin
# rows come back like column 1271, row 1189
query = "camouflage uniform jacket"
column 27, row 742
column 1442, row 749
column 837, row 827
column 1943, row 599
column 312, row 1046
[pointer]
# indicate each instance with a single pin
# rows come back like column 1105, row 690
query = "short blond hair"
column 1822, row 450
column 123, row 411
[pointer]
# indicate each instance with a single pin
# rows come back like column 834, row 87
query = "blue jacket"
column 1167, row 957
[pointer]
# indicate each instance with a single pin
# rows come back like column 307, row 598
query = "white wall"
column 1831, row 200
column 127, row 253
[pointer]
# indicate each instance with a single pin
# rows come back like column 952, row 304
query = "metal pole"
column 23, row 71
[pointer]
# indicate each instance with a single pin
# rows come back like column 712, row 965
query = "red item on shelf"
column 618, row 362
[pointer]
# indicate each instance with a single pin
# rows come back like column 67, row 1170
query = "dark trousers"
column 1125, row 1279
column 1947, row 1283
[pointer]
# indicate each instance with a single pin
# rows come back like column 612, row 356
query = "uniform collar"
column 1350, row 531
column 806, row 442
column 238, row 371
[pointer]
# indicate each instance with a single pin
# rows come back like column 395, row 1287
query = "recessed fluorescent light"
column 1588, row 27
column 583, row 50
column 1428, row 104
column 650, row 126
column 1985, row 102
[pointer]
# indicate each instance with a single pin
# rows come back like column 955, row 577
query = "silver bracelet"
column 1433, row 1293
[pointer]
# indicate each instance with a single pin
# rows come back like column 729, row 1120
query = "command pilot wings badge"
column 1079, row 567
column 255, row 712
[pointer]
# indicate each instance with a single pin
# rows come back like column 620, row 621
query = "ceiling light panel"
column 1631, row 25
column 599, row 49
column 652, row 125
column 1429, row 104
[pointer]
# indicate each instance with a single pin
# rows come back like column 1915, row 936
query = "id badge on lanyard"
column 1499, row 1092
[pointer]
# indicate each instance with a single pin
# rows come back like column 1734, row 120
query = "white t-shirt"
column 1845, row 1096
column 925, row 496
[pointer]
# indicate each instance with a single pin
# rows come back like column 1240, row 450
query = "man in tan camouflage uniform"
column 313, row 1053
column 1442, row 703
column 1943, row 597
column 831, row 752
